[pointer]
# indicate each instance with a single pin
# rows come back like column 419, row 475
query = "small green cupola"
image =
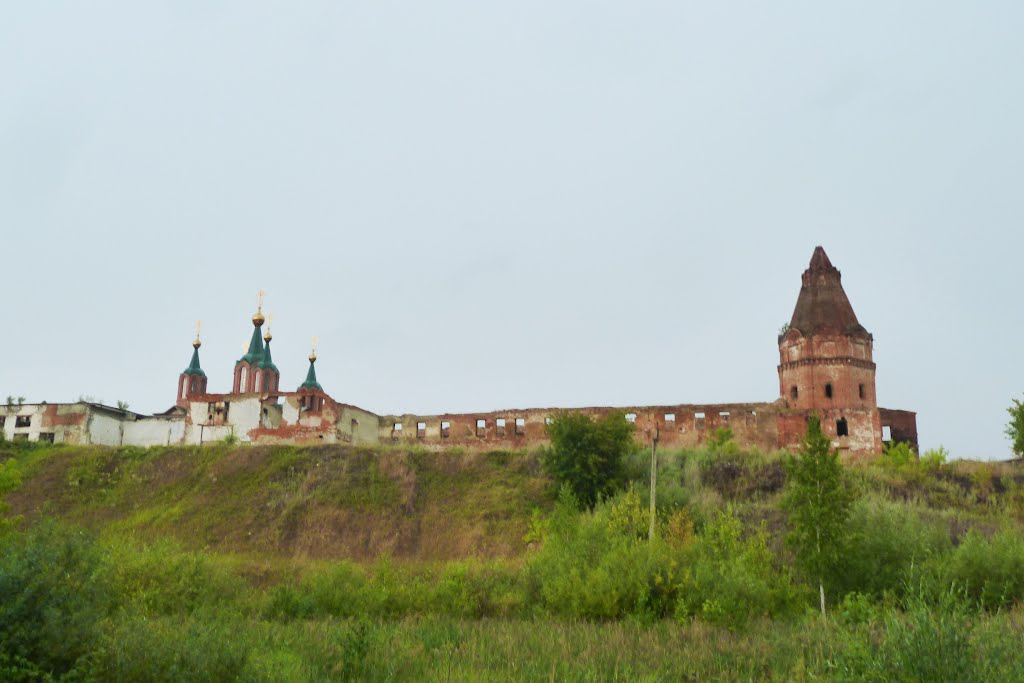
column 311, row 384
column 194, row 367
column 192, row 380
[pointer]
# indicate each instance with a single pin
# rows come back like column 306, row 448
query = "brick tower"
column 825, row 361
column 255, row 372
column 193, row 380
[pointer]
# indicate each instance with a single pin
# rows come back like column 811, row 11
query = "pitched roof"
column 822, row 306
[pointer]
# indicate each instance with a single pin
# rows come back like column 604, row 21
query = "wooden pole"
column 654, row 481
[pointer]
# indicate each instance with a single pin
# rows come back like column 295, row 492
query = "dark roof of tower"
column 255, row 353
column 822, row 306
column 268, row 360
column 193, row 367
column 311, row 382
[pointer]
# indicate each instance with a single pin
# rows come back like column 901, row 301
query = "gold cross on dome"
column 259, row 299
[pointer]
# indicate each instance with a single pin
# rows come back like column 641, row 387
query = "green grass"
column 354, row 563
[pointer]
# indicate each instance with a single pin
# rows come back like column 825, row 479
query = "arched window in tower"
column 184, row 389
column 828, row 391
column 242, row 376
column 861, row 390
column 192, row 386
column 259, row 380
column 794, row 392
column 842, row 428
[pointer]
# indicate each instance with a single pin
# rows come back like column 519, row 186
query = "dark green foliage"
column 587, row 454
column 1015, row 428
column 53, row 597
column 884, row 541
column 990, row 571
column 818, row 502
column 731, row 577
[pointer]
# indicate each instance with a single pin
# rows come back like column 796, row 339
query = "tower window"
column 842, row 428
column 828, row 391
column 794, row 393
column 860, row 389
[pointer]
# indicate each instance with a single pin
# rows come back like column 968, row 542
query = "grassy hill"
column 350, row 563
column 325, row 502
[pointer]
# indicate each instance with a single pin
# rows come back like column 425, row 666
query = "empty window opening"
column 397, row 427
column 47, row 437
column 421, row 430
column 670, row 417
column 842, row 428
column 242, row 376
column 499, row 426
column 355, row 425
column 21, row 437
column 828, row 391
column 724, row 417
column 3, row 421
column 481, row 427
column 794, row 393
column 446, row 428
column 23, row 421
column 751, row 418
column 184, row 389
column 860, row 389
column 886, row 433
column 698, row 420
column 520, row 426
column 631, row 417
column 548, row 420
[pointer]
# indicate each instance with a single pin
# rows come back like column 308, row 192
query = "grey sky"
column 481, row 205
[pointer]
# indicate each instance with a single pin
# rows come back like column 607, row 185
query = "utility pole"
column 654, row 478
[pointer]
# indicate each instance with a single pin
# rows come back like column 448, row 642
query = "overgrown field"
column 340, row 563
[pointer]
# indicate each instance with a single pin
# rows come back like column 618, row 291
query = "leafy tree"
column 588, row 454
column 1015, row 428
column 818, row 503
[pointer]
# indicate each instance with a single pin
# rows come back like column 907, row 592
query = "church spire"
column 192, row 380
column 311, row 382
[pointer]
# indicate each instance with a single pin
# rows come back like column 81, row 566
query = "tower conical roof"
column 822, row 306
column 267, row 361
column 311, row 382
column 256, row 352
column 193, row 367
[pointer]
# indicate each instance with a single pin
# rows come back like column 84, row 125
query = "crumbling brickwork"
column 825, row 368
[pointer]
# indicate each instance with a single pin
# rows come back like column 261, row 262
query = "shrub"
column 884, row 541
column 990, row 571
column 588, row 454
column 52, row 597
column 731, row 578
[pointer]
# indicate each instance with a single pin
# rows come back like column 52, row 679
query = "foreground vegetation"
column 225, row 564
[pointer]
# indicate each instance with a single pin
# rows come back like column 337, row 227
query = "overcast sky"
column 481, row 205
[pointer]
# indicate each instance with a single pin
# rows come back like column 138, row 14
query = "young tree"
column 1015, row 428
column 587, row 454
column 818, row 503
